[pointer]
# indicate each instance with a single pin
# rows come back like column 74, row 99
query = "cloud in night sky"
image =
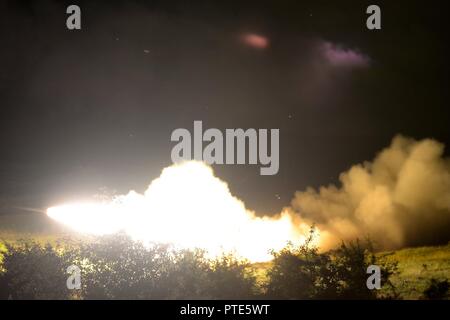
column 339, row 56
column 402, row 198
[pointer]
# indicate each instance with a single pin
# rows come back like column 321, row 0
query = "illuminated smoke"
column 402, row 198
column 189, row 207
column 343, row 57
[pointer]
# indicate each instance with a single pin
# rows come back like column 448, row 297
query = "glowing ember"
column 255, row 41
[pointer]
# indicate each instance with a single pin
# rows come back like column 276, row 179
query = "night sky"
column 92, row 111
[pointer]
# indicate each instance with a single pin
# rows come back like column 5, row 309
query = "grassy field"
column 416, row 267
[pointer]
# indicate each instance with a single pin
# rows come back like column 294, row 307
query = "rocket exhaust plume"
column 402, row 198
column 188, row 207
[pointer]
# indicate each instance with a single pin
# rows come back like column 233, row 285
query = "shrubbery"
column 303, row 273
column 115, row 267
column 437, row 290
column 33, row 272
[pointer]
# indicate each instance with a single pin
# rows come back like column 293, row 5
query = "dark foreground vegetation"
column 115, row 267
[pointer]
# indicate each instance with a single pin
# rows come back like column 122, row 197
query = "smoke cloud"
column 401, row 198
column 341, row 57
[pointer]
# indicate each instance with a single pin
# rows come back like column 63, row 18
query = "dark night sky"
column 82, row 110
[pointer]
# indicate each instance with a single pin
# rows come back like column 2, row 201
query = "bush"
column 303, row 273
column 33, row 272
column 437, row 290
column 116, row 267
column 228, row 278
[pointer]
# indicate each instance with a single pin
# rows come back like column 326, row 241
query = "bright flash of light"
column 188, row 207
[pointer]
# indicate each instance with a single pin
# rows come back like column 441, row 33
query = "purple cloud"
column 343, row 57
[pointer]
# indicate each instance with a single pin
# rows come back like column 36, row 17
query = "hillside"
column 417, row 266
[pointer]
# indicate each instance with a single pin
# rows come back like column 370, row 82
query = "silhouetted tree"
column 302, row 273
column 116, row 267
column 351, row 261
column 437, row 290
column 299, row 272
column 33, row 272
column 229, row 278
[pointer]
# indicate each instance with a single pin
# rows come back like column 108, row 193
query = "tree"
column 437, row 290
column 32, row 271
column 303, row 273
column 298, row 272
column 229, row 278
